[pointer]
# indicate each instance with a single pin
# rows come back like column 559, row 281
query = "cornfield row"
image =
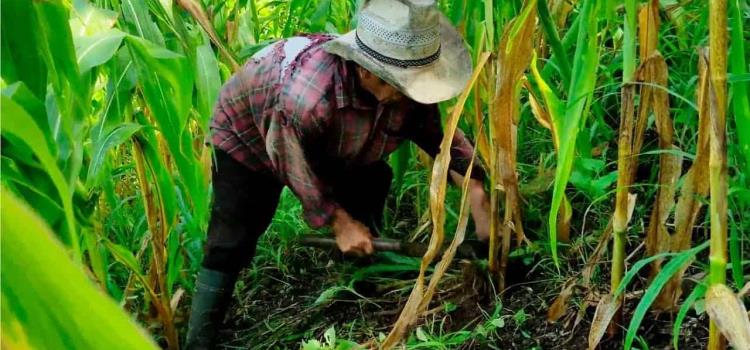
column 105, row 110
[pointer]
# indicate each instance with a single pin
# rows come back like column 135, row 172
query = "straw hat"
column 409, row 44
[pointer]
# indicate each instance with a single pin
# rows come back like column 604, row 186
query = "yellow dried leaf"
column 514, row 56
column 560, row 305
column 729, row 314
column 605, row 311
column 648, row 18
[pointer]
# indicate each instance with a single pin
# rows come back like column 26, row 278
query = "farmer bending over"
column 320, row 114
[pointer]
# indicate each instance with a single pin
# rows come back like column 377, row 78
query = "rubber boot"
column 212, row 293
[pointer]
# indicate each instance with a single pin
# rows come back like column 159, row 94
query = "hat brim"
column 439, row 81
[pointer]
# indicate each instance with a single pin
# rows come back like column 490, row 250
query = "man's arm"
column 286, row 142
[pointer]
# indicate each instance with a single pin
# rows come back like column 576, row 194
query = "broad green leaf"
column 167, row 82
column 125, row 257
column 550, row 33
column 633, row 271
column 97, row 256
column 114, row 138
column 68, row 115
column 20, row 40
column 579, row 94
column 88, row 20
column 162, row 180
column 97, row 49
column 399, row 161
column 174, row 259
column 27, row 182
column 740, row 92
column 207, row 82
column 319, row 17
column 120, row 85
column 139, row 22
column 34, row 107
column 296, row 7
column 18, row 127
column 47, row 300
column 58, row 50
column 629, row 60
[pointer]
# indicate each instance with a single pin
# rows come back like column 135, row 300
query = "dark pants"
column 245, row 202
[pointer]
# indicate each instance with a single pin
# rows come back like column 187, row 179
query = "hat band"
column 395, row 61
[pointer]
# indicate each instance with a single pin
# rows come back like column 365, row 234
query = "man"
column 320, row 114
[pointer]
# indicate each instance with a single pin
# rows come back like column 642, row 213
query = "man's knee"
column 380, row 175
column 229, row 257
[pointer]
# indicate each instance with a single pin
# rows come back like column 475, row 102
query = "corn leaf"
column 550, row 32
column 740, row 93
column 568, row 120
column 35, row 266
column 698, row 292
column 97, row 49
column 167, row 84
column 20, row 56
column 139, row 22
column 114, row 138
column 207, row 83
column 19, row 127
column 674, row 265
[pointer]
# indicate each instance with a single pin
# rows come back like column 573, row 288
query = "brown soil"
column 275, row 310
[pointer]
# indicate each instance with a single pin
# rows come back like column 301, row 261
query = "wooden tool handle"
column 319, row 241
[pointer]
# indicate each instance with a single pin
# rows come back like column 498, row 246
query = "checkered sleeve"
column 427, row 133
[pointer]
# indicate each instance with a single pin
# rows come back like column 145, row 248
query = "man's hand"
column 480, row 209
column 352, row 236
column 479, row 203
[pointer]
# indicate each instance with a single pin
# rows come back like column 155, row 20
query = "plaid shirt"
column 300, row 118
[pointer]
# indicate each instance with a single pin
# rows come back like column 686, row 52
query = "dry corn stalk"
column 717, row 161
column 157, row 226
column 514, row 55
column 695, row 186
column 437, row 201
column 654, row 99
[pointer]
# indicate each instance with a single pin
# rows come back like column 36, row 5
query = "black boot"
column 212, row 293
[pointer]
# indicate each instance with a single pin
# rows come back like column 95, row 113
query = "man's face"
column 389, row 93
column 384, row 92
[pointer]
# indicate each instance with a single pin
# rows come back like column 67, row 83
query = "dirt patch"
column 272, row 309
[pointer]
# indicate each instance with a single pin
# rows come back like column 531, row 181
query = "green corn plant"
column 51, row 61
column 568, row 116
column 740, row 93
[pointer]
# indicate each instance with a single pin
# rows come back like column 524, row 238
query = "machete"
column 469, row 249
